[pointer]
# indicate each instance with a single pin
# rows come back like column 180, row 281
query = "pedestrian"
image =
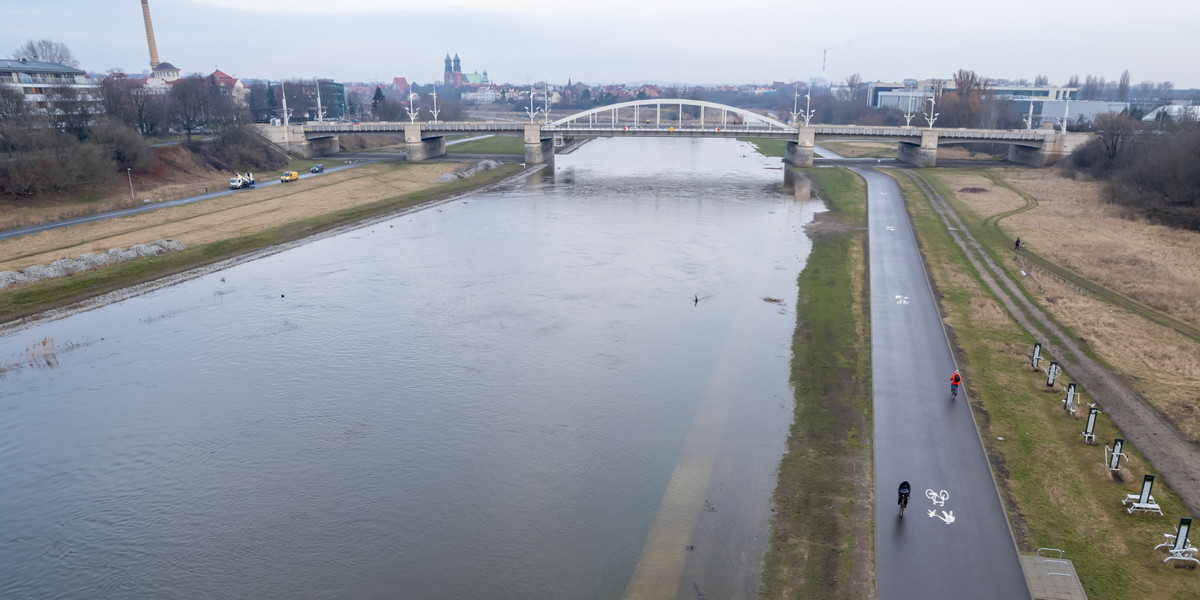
column 1017, row 245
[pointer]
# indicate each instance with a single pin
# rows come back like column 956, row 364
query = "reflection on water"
column 500, row 396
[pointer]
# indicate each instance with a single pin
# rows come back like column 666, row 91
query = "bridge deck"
column 912, row 134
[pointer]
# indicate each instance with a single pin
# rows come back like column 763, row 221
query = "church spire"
column 447, row 62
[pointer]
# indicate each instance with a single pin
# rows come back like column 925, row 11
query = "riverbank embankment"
column 821, row 532
column 243, row 224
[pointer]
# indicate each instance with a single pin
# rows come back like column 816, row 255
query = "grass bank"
column 496, row 144
column 63, row 291
column 1057, row 490
column 768, row 147
column 822, row 532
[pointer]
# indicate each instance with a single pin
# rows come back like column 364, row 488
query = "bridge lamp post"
column 412, row 107
column 1029, row 119
column 808, row 112
column 435, row 108
column 931, row 116
column 908, row 116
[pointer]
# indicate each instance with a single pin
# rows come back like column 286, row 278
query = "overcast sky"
column 607, row 41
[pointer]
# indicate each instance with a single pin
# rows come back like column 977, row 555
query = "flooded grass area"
column 822, row 532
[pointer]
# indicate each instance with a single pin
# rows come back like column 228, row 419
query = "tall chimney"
column 150, row 34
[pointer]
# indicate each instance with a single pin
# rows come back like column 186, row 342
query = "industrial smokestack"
column 150, row 34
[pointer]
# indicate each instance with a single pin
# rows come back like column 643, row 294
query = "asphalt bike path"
column 954, row 540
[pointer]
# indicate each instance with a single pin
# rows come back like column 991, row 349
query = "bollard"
column 1089, row 432
column 1037, row 354
column 1051, row 373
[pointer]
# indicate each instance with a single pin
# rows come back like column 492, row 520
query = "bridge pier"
column 1027, row 155
column 798, row 182
column 800, row 152
column 418, row 147
column 538, row 148
column 919, row 155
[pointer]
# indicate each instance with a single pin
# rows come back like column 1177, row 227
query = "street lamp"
column 435, row 108
column 412, row 106
column 808, row 112
column 931, row 116
column 1029, row 119
column 532, row 113
column 908, row 116
column 129, row 174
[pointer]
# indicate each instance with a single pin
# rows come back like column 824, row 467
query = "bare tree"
column 44, row 50
column 1073, row 82
column 962, row 106
column 150, row 111
column 1113, row 130
column 1164, row 90
column 188, row 104
column 70, row 110
column 852, row 92
column 1041, row 80
column 1123, row 87
column 116, row 100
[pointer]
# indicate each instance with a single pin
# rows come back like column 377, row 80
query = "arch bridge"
column 916, row 146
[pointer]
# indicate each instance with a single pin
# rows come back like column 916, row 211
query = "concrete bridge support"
column 923, row 155
column 422, row 148
column 539, row 149
column 800, row 152
column 798, row 182
column 323, row 146
column 1031, row 156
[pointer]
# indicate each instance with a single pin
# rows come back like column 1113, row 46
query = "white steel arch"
column 660, row 102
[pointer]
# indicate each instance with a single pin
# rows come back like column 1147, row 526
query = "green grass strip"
column 821, row 530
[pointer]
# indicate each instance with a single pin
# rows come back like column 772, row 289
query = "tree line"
column 1151, row 171
column 76, row 136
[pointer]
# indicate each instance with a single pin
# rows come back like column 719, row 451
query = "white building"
column 1177, row 112
column 36, row 79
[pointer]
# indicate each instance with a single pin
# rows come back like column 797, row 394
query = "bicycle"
column 953, row 391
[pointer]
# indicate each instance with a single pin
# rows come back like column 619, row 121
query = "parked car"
column 318, row 169
column 289, row 176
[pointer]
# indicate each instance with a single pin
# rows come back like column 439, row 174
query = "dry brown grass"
column 992, row 200
column 228, row 216
column 1073, row 227
column 176, row 174
column 1160, row 363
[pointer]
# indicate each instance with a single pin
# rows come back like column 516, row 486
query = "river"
column 574, row 386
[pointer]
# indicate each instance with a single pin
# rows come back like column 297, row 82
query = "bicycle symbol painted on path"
column 939, row 498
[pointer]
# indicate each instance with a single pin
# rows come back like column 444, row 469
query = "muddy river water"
column 575, row 386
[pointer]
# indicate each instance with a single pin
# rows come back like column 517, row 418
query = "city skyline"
column 620, row 42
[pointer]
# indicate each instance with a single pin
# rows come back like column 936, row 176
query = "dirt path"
column 1171, row 454
column 238, row 214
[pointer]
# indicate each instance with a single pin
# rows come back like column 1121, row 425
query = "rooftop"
column 33, row 66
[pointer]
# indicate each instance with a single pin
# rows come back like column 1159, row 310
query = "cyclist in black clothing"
column 905, row 490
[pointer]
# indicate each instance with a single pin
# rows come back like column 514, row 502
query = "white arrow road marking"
column 948, row 517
